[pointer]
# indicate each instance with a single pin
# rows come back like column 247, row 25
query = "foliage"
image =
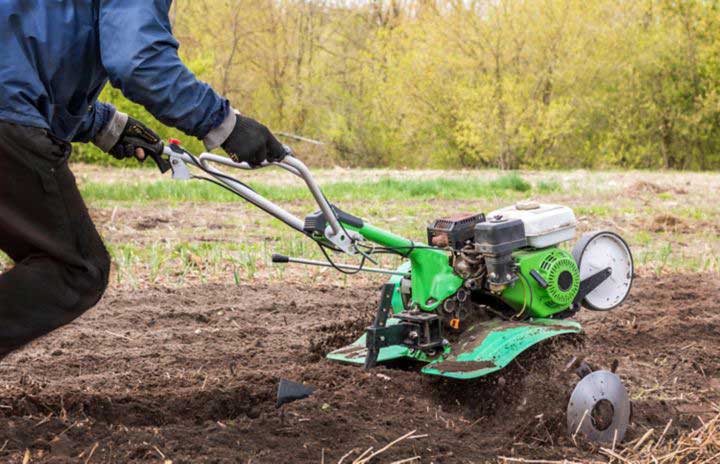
column 472, row 83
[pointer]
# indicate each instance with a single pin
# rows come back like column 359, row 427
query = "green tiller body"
column 482, row 290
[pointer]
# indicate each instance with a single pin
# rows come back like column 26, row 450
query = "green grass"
column 511, row 182
column 176, row 262
column 382, row 189
column 548, row 186
column 599, row 210
column 179, row 263
column 693, row 213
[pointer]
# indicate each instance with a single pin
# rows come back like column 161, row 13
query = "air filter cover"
column 545, row 224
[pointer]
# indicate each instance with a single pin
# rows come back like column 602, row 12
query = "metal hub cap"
column 599, row 408
column 600, row 250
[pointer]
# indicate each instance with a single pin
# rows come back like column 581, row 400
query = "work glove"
column 253, row 143
column 123, row 137
column 134, row 136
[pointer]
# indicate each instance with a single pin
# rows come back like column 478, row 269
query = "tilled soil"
column 190, row 376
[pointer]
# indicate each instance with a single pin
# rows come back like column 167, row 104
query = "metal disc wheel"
column 599, row 408
column 597, row 251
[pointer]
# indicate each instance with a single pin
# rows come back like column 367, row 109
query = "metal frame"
column 335, row 232
column 345, row 267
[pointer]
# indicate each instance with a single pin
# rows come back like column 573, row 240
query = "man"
column 55, row 58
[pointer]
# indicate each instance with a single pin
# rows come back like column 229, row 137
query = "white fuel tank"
column 545, row 224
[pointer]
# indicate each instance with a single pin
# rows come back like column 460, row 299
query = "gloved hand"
column 253, row 143
column 137, row 138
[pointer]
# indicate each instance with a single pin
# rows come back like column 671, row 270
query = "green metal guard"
column 433, row 279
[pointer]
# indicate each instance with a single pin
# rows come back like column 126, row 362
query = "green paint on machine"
column 560, row 274
column 433, row 279
column 489, row 346
column 483, row 348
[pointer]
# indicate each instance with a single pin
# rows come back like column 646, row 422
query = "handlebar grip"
column 280, row 259
column 156, row 153
column 288, row 151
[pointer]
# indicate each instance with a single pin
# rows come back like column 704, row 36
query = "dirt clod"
column 668, row 223
column 643, row 186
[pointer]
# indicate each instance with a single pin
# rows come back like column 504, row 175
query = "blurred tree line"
column 467, row 83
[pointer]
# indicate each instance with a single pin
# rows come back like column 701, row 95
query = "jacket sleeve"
column 140, row 55
column 97, row 118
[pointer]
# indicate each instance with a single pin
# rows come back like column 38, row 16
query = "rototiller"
column 483, row 289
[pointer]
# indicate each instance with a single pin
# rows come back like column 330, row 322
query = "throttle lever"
column 156, row 153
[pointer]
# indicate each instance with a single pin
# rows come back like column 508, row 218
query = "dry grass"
column 699, row 446
column 370, row 454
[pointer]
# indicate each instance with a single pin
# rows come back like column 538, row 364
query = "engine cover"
column 549, row 281
column 545, row 224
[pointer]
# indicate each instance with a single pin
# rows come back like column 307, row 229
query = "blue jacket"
column 57, row 55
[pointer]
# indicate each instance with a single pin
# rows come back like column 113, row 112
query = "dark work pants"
column 61, row 265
